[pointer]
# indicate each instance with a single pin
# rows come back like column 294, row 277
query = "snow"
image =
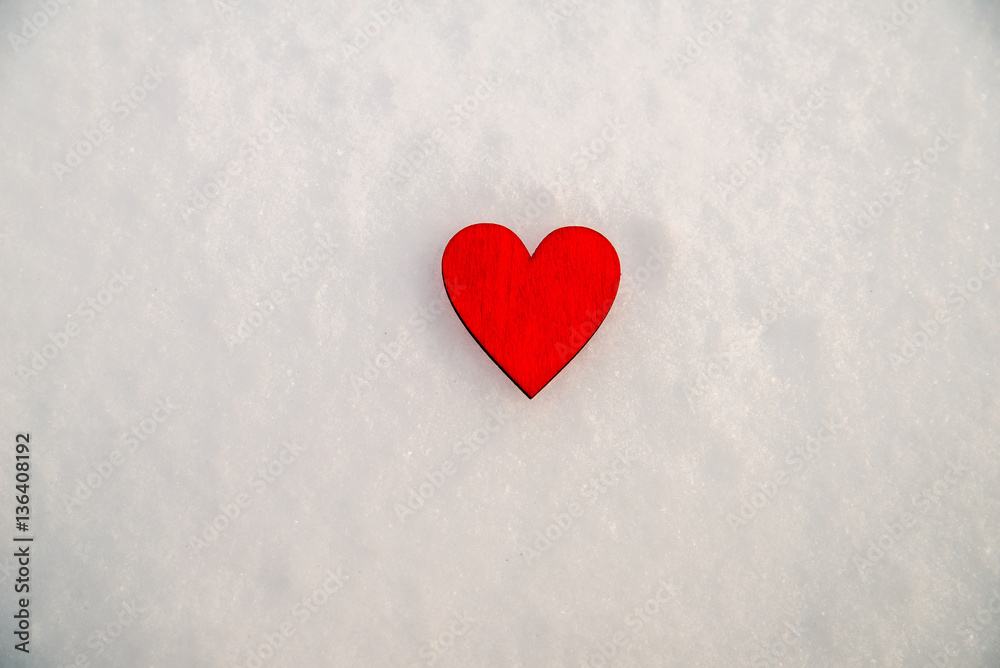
column 221, row 241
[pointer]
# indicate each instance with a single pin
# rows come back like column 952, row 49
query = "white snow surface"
column 660, row 503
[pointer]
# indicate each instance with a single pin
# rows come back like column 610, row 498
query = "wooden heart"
column 530, row 313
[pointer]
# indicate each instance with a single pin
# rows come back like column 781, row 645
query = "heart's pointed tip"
column 528, row 393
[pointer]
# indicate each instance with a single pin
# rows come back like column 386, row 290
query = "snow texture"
column 261, row 436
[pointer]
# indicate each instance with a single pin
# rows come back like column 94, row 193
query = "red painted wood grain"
column 531, row 313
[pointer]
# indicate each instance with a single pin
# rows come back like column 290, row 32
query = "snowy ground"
column 261, row 437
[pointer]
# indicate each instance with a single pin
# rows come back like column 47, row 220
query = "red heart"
column 530, row 313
